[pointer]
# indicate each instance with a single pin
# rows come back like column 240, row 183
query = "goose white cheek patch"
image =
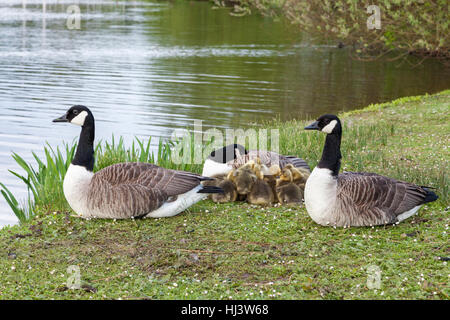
column 79, row 119
column 330, row 127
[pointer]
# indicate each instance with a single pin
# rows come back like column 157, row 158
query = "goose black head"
column 328, row 123
column 228, row 153
column 79, row 115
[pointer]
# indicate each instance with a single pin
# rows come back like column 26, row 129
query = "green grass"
column 247, row 252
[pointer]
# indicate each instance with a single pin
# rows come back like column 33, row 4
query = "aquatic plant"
column 44, row 184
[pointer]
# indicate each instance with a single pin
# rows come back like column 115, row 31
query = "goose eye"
column 75, row 112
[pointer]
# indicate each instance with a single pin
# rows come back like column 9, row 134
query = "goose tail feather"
column 430, row 196
column 203, row 178
column 210, row 189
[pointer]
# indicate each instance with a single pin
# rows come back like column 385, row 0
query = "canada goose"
column 124, row 190
column 233, row 156
column 261, row 192
column 229, row 191
column 287, row 190
column 356, row 198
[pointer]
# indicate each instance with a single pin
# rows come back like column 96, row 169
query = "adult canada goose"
column 233, row 156
column 124, row 190
column 356, row 198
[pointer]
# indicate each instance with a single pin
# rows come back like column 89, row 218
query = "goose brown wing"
column 127, row 172
column 269, row 158
column 171, row 182
column 370, row 191
column 297, row 162
column 135, row 189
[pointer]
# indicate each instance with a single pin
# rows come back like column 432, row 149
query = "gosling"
column 287, row 188
column 229, row 190
column 299, row 175
column 261, row 192
column 244, row 178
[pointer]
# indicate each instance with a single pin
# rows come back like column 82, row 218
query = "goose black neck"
column 84, row 155
column 331, row 155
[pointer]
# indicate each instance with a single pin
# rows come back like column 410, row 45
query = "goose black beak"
column 63, row 118
column 313, row 126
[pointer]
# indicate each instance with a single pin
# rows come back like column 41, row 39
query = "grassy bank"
column 241, row 251
column 408, row 27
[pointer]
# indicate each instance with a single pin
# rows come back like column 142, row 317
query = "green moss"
column 241, row 251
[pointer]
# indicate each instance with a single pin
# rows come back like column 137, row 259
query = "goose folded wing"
column 124, row 173
column 135, row 189
column 371, row 190
column 171, row 182
column 270, row 158
column 297, row 162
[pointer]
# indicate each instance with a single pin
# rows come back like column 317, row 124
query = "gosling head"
column 286, row 175
column 299, row 175
column 243, row 179
column 248, row 166
column 328, row 123
column 274, row 170
column 79, row 115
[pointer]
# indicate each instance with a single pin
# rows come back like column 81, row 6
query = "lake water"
column 146, row 68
